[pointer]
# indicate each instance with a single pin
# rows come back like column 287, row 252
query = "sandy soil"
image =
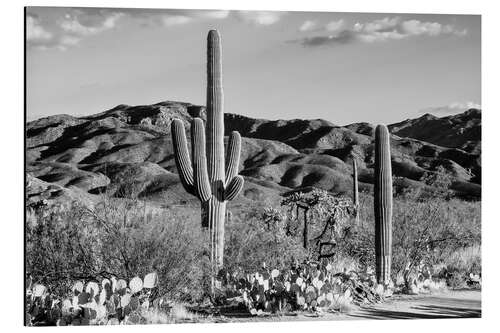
column 452, row 304
column 455, row 304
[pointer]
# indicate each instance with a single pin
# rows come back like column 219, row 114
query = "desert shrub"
column 60, row 247
column 424, row 230
column 462, row 267
column 117, row 237
column 425, row 233
column 251, row 239
column 466, row 259
column 359, row 242
column 273, row 235
column 136, row 241
column 439, row 183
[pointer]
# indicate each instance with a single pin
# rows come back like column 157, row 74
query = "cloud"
column 214, row 14
column 343, row 37
column 415, row 27
column 170, row 20
column 81, row 23
column 308, row 25
column 259, row 17
column 68, row 27
column 73, row 25
column 179, row 17
column 35, row 31
column 386, row 29
column 68, row 41
column 334, row 25
column 331, row 26
column 385, row 24
column 452, row 108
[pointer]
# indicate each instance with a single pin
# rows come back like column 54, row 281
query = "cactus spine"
column 210, row 177
column 383, row 205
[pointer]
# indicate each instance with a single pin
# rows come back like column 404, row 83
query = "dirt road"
column 454, row 304
column 451, row 304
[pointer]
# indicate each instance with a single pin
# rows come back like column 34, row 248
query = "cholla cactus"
column 272, row 215
column 383, row 205
column 208, row 177
column 332, row 209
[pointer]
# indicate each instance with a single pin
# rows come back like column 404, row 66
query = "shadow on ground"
column 421, row 311
column 461, row 304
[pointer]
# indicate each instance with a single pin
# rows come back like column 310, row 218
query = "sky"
column 342, row 67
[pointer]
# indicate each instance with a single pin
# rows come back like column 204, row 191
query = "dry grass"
column 177, row 314
column 458, row 265
column 343, row 305
column 466, row 259
column 343, row 263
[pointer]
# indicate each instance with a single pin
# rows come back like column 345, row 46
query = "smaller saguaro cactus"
column 383, row 205
column 355, row 193
column 305, row 231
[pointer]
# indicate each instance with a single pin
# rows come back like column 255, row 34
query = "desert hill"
column 127, row 150
column 461, row 131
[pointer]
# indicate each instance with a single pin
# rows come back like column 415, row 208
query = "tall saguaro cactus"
column 210, row 177
column 383, row 205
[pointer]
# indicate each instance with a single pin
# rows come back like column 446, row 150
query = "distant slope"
column 461, row 131
column 128, row 149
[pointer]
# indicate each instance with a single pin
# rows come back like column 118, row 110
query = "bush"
column 462, row 268
column 117, row 237
column 251, row 241
column 425, row 233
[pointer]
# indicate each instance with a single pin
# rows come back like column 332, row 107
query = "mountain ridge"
column 102, row 151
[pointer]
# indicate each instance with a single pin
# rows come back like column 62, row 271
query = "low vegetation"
column 107, row 302
column 436, row 245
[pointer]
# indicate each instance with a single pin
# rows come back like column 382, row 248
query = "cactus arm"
column 233, row 188
column 215, row 110
column 233, row 156
column 181, row 154
column 201, row 183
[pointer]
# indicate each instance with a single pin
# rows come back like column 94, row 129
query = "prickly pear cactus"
column 310, row 286
column 109, row 302
column 209, row 176
column 383, row 205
